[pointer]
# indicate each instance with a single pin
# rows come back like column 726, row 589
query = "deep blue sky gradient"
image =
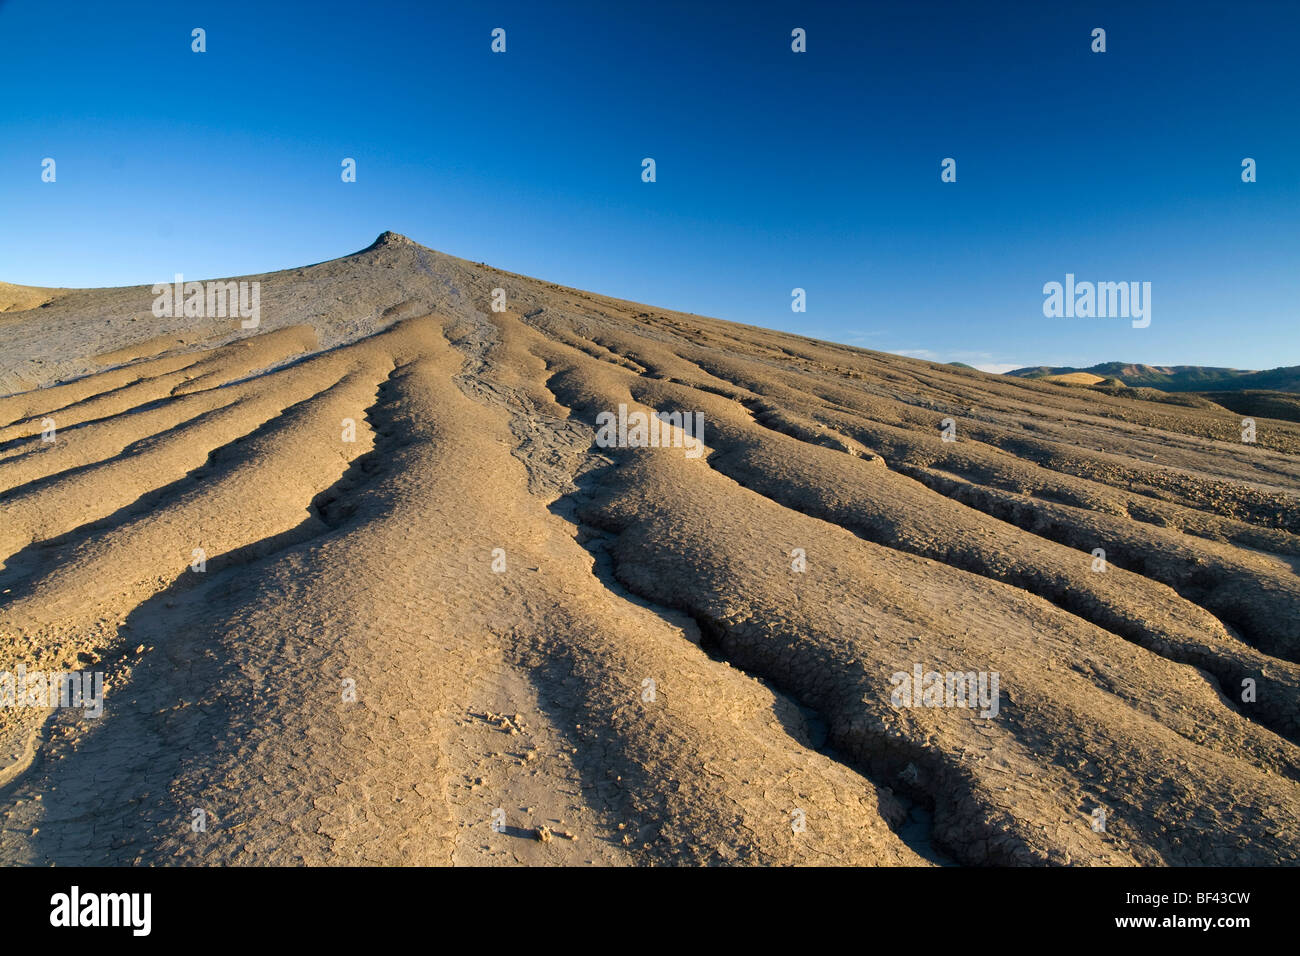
column 775, row 170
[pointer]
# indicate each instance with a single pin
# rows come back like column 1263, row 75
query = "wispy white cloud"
column 860, row 335
column 916, row 353
column 984, row 361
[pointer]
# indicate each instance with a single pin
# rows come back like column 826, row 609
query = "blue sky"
column 775, row 170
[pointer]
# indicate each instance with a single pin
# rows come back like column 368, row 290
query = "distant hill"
column 1275, row 404
column 1174, row 378
column 18, row 298
column 1079, row 378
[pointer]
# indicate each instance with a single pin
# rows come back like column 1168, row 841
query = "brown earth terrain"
column 365, row 589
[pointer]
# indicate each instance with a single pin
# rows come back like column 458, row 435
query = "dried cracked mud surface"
column 474, row 636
